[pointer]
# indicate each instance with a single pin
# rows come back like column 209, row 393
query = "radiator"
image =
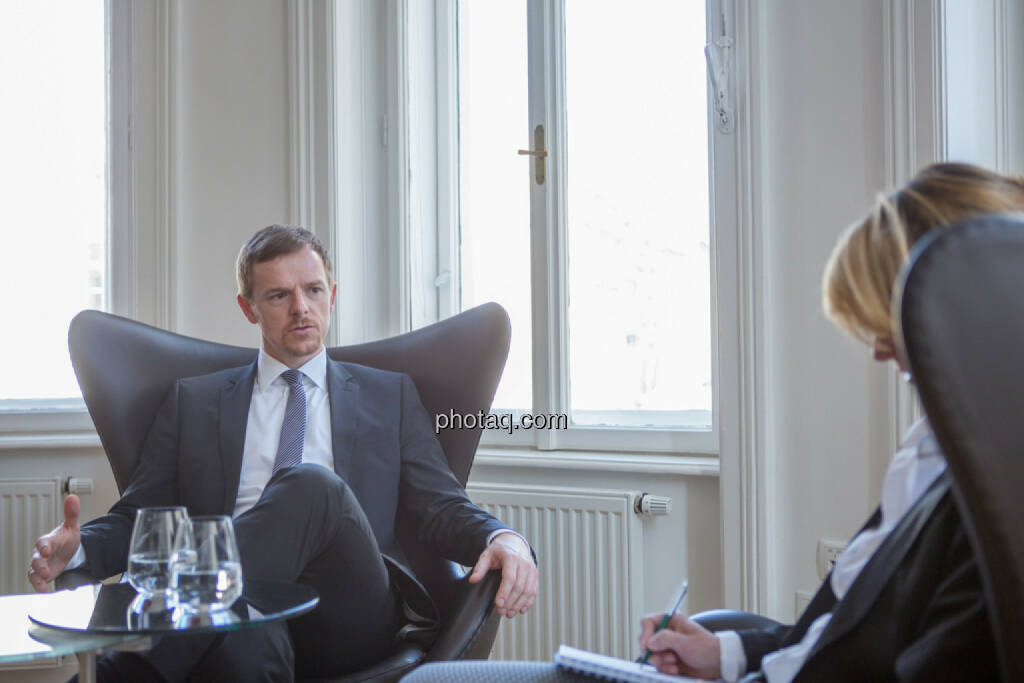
column 28, row 509
column 589, row 546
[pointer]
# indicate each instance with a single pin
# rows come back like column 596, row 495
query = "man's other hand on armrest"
column 511, row 554
column 54, row 550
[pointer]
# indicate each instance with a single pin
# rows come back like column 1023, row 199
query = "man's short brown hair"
column 271, row 242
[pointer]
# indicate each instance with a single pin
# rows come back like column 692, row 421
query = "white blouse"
column 913, row 469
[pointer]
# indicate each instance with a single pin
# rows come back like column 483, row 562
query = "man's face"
column 292, row 303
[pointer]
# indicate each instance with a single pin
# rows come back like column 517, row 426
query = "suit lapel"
column 235, row 398
column 343, row 394
column 864, row 592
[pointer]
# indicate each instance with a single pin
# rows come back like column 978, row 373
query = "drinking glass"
column 207, row 576
column 151, row 548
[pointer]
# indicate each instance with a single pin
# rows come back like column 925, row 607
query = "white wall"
column 230, row 152
column 826, row 408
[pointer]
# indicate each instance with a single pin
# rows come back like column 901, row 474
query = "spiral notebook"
column 611, row 668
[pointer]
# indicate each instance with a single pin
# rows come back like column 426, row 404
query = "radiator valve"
column 78, row 485
column 651, row 505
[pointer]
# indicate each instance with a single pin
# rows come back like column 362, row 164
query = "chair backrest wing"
column 126, row 368
column 455, row 365
column 962, row 317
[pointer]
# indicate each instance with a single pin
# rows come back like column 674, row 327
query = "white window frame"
column 550, row 328
column 64, row 422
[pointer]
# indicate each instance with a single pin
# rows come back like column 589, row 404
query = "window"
column 53, row 185
column 596, row 236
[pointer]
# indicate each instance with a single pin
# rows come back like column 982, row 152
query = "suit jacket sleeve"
column 447, row 521
column 762, row 641
column 154, row 483
column 952, row 640
column 759, row 642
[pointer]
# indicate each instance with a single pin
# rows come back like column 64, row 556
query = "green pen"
column 677, row 602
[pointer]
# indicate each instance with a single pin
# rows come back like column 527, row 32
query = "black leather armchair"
column 125, row 369
column 962, row 325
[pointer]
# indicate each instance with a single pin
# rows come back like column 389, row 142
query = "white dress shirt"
column 266, row 415
column 914, row 467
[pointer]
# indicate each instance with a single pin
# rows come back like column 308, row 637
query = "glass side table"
column 91, row 620
column 23, row 641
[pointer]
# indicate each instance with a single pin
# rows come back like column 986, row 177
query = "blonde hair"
column 857, row 287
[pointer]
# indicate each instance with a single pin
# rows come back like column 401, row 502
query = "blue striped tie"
column 293, row 430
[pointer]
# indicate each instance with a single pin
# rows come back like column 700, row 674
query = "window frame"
column 548, row 250
column 65, row 422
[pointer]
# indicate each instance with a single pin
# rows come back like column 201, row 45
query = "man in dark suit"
column 315, row 459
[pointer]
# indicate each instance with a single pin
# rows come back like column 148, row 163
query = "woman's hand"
column 683, row 648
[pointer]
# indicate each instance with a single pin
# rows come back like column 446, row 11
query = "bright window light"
column 52, row 188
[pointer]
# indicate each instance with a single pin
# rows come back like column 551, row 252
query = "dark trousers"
column 307, row 527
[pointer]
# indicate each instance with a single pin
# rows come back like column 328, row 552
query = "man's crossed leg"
column 308, row 528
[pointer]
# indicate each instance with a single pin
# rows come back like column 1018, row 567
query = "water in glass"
column 152, row 546
column 208, row 575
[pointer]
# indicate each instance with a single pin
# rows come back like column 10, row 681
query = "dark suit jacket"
column 384, row 448
column 916, row 612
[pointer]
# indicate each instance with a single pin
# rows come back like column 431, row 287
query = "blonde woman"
column 904, row 602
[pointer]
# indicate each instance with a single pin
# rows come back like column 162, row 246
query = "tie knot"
column 293, row 378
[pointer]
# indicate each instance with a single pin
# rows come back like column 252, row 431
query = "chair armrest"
column 470, row 635
column 389, row 669
column 732, row 620
column 73, row 578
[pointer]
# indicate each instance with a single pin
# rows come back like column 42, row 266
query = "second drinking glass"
column 207, row 575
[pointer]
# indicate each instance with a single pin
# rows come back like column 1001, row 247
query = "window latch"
column 717, row 55
column 538, row 153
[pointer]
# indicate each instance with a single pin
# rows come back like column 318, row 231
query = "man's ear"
column 246, row 307
column 334, row 292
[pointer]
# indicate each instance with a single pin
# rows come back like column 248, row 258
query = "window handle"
column 538, row 153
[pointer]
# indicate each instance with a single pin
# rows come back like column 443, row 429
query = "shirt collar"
column 269, row 369
column 919, row 441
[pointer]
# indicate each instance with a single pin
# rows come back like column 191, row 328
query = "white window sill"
column 22, row 428
column 647, row 463
column 606, row 439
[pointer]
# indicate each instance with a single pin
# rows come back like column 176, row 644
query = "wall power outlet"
column 803, row 599
column 828, row 552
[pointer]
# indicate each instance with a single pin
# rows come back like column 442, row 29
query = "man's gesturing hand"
column 55, row 549
column 519, row 577
column 683, row 647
